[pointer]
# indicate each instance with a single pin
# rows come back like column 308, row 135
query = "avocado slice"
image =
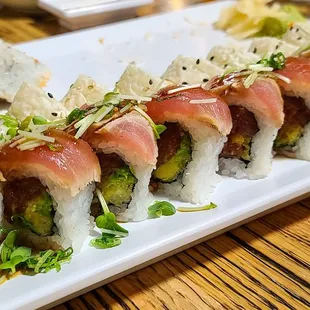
column 169, row 171
column 118, row 187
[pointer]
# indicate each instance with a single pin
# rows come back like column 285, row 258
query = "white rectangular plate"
column 153, row 43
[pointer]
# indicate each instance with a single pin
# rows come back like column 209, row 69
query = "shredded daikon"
column 202, row 101
column 34, row 135
column 175, row 90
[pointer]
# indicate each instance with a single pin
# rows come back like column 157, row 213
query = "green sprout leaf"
column 191, row 209
column 108, row 221
column 160, row 208
column 160, row 128
column 8, row 245
column 275, row 61
column 39, row 120
column 105, row 242
column 76, row 115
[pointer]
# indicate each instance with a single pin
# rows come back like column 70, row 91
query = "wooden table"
column 261, row 265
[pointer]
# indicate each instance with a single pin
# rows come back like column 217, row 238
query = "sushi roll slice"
column 83, row 91
column 127, row 152
column 47, row 184
column 267, row 46
column 125, row 145
column 16, row 68
column 227, row 57
column 257, row 114
column 293, row 138
column 197, row 123
column 191, row 71
column 31, row 100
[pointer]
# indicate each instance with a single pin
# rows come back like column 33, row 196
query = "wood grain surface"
column 264, row 264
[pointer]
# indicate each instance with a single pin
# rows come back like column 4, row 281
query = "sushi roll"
column 227, row 57
column 197, row 123
column 31, row 100
column 191, row 71
column 293, row 138
column 83, row 91
column 47, row 184
column 16, row 68
column 267, row 46
column 257, row 114
column 125, row 145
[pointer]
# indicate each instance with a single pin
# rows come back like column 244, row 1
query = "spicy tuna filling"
column 28, row 204
column 174, row 153
column 297, row 116
column 239, row 140
column 117, row 184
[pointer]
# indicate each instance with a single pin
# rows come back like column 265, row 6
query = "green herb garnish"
column 105, row 242
column 76, row 115
column 111, row 231
column 13, row 256
column 39, row 120
column 275, row 61
column 190, row 209
column 160, row 208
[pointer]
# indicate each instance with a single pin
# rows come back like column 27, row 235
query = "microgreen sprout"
column 160, row 208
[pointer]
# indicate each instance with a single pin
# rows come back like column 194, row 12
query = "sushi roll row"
column 61, row 161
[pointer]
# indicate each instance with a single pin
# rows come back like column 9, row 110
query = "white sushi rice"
column 199, row 178
column 141, row 198
column 16, row 68
column 72, row 217
column 261, row 156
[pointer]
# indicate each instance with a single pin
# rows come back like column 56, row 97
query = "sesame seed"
column 197, row 61
column 297, row 29
column 255, row 50
column 184, row 68
column 184, row 83
column 50, row 95
column 277, row 47
column 54, row 114
column 299, row 38
column 211, row 58
column 150, row 82
column 225, row 66
column 205, row 80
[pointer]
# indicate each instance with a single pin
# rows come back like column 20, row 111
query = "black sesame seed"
column 211, row 58
column 184, row 68
column 225, row 66
column 291, row 28
column 205, row 80
column 255, row 50
column 299, row 38
column 150, row 82
column 277, row 47
column 297, row 29
column 54, row 114
column 184, row 83
column 50, row 95
column 197, row 61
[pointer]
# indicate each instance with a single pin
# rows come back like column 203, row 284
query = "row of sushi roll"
column 97, row 152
